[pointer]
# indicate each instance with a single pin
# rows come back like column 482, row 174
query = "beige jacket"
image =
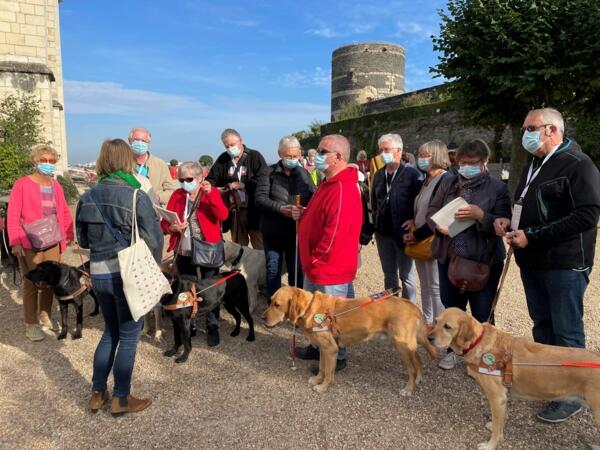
column 160, row 178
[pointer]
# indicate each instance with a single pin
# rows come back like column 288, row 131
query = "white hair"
column 288, row 142
column 134, row 129
column 191, row 167
column 553, row 117
column 392, row 138
column 340, row 145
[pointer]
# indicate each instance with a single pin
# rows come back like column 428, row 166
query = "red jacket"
column 210, row 211
column 329, row 230
column 25, row 204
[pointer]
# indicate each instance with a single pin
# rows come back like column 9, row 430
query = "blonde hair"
column 439, row 153
column 115, row 154
column 42, row 149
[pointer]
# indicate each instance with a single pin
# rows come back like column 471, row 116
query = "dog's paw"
column 235, row 332
column 182, row 358
column 158, row 335
column 488, row 425
column 406, row 392
column 76, row 335
column 486, row 446
column 321, row 388
column 170, row 352
column 251, row 338
column 314, row 380
column 61, row 336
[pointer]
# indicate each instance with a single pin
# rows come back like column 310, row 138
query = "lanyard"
column 531, row 175
column 388, row 186
column 187, row 204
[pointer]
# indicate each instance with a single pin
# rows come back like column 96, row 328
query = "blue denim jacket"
column 116, row 200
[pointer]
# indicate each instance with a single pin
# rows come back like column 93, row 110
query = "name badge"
column 231, row 171
column 516, row 216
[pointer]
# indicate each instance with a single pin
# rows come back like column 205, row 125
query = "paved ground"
column 244, row 395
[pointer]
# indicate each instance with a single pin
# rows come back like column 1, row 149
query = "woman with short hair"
column 36, row 199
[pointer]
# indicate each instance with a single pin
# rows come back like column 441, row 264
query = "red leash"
column 220, row 281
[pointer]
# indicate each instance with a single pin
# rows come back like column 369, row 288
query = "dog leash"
column 502, row 278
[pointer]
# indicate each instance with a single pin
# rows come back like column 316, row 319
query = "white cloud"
column 325, row 31
column 305, row 78
column 419, row 31
column 91, row 97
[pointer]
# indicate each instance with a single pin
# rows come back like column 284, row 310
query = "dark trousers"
column 555, row 304
column 186, row 267
column 480, row 302
column 275, row 252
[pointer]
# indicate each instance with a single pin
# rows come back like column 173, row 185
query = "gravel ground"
column 244, row 395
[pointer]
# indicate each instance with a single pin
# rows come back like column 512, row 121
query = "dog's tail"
column 423, row 340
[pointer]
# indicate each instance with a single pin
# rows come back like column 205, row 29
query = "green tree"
column 506, row 57
column 206, row 160
column 20, row 129
column 349, row 110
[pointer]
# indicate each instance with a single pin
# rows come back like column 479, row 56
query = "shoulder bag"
column 45, row 232
column 206, row 254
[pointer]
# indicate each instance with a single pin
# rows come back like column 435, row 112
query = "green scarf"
column 126, row 177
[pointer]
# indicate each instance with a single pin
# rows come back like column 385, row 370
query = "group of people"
column 310, row 214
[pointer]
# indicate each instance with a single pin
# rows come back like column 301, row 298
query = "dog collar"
column 473, row 344
column 238, row 258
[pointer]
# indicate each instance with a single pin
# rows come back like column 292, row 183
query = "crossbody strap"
column 116, row 233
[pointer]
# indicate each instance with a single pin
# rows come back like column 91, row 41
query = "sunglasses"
column 324, row 151
column 189, row 179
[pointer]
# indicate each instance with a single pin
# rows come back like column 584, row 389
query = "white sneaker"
column 34, row 332
column 449, row 361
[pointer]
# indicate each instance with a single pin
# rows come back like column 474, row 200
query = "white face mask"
column 234, row 151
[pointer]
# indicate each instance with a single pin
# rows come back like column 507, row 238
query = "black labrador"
column 233, row 294
column 69, row 286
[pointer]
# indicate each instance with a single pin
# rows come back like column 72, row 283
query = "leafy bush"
column 13, row 165
column 350, row 110
column 206, row 161
column 71, row 192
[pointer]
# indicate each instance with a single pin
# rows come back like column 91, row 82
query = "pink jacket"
column 25, row 204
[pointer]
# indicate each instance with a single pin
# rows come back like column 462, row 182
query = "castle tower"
column 364, row 72
column 30, row 62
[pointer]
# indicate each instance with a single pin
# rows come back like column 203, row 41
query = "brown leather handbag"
column 468, row 275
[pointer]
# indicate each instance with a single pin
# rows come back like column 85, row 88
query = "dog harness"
column 185, row 300
column 238, row 258
column 86, row 284
column 495, row 364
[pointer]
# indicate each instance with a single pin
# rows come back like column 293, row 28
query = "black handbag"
column 208, row 254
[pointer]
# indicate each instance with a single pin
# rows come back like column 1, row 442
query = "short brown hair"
column 42, row 149
column 473, row 149
column 115, row 154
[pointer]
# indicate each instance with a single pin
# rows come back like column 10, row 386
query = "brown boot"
column 98, row 399
column 129, row 404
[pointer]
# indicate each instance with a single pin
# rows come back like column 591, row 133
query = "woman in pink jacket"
column 37, row 200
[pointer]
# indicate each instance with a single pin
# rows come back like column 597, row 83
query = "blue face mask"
column 423, row 164
column 387, row 158
column 531, row 141
column 320, row 163
column 234, row 151
column 189, row 186
column 46, row 168
column 290, row 163
column 469, row 171
column 139, row 147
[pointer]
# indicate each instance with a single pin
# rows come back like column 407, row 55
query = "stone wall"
column 30, row 62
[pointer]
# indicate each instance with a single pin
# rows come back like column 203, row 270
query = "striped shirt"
column 48, row 207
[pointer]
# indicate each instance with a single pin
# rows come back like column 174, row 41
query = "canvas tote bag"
column 143, row 282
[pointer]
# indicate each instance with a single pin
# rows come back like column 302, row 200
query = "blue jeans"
column 480, row 302
column 118, row 344
column 342, row 290
column 555, row 304
column 275, row 252
column 394, row 263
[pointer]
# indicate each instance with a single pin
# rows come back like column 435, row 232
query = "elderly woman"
column 363, row 162
column 487, row 199
column 433, row 161
column 104, row 208
column 311, row 168
column 200, row 210
column 37, row 200
column 275, row 196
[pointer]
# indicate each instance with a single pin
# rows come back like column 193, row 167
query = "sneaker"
column 340, row 364
column 449, row 361
column 556, row 412
column 34, row 332
column 308, row 352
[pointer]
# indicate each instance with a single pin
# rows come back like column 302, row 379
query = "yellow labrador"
column 397, row 318
column 497, row 360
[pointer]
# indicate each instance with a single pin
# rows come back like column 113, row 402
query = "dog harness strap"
column 77, row 293
column 238, row 258
column 507, row 375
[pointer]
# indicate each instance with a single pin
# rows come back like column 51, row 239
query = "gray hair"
column 553, row 117
column 134, row 129
column 289, row 142
column 393, row 138
column 439, row 153
column 311, row 151
column 340, row 145
column 192, row 167
column 230, row 132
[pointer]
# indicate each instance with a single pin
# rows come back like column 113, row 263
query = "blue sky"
column 186, row 70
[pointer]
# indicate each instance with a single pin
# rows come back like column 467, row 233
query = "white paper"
column 445, row 217
column 516, row 217
column 167, row 215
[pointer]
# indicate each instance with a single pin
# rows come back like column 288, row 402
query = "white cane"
column 297, row 202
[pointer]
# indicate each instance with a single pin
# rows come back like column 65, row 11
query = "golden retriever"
column 485, row 347
column 397, row 318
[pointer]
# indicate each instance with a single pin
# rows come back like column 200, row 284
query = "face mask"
column 46, row 168
column 469, row 171
column 189, row 186
column 320, row 163
column 139, row 147
column 234, row 151
column 531, row 141
column 290, row 163
column 387, row 158
column 423, row 164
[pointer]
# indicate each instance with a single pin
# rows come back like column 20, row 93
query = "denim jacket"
column 115, row 199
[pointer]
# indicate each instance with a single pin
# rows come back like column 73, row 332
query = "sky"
column 188, row 69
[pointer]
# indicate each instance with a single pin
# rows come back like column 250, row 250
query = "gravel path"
column 244, row 395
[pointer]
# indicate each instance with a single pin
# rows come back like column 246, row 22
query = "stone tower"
column 364, row 72
column 30, row 62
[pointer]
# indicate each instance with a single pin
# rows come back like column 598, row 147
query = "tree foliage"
column 69, row 188
column 310, row 137
column 506, row 57
column 206, row 160
column 349, row 110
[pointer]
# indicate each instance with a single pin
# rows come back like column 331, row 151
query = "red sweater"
column 25, row 204
column 210, row 211
column 329, row 230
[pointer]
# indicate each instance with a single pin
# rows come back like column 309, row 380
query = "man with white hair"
column 553, row 232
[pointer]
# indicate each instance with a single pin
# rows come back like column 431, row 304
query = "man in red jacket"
column 329, row 229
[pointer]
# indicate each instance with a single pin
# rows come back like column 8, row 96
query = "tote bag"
column 143, row 282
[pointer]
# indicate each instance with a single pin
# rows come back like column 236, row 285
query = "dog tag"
column 82, row 281
column 495, row 373
column 320, row 329
column 319, row 318
column 488, row 359
column 182, row 296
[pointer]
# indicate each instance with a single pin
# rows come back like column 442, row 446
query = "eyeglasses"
column 189, row 179
column 324, row 151
column 47, row 160
column 531, row 128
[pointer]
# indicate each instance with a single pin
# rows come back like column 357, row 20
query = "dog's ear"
column 465, row 333
column 298, row 303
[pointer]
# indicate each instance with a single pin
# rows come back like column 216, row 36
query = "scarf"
column 128, row 178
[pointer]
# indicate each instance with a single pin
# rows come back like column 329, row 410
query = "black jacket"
column 276, row 189
column 560, row 211
column 401, row 200
column 221, row 174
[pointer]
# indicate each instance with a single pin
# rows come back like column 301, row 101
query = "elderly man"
column 329, row 229
column 150, row 166
column 553, row 232
column 393, row 193
column 236, row 172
